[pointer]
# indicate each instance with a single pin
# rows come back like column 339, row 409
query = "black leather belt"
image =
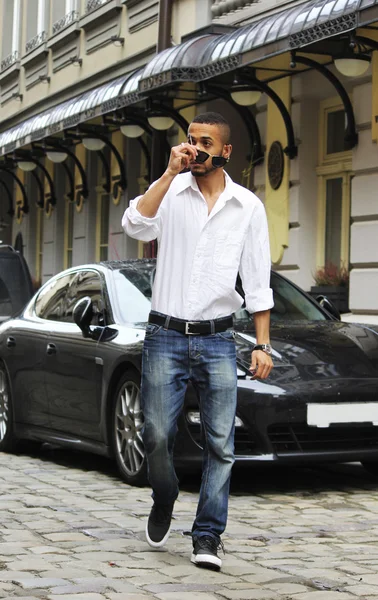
column 192, row 327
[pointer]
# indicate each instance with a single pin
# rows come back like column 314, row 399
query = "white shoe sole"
column 207, row 561
column 157, row 544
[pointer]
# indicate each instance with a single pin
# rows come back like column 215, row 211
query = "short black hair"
column 214, row 118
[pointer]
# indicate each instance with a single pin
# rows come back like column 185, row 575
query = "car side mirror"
column 329, row 306
column 83, row 315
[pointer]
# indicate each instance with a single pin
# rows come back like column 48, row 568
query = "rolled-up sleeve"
column 139, row 227
column 255, row 263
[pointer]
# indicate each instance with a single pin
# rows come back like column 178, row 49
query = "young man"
column 208, row 229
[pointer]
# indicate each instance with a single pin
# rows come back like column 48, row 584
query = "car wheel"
column 371, row 467
column 7, row 438
column 127, row 425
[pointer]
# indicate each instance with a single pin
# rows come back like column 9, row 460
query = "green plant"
column 331, row 274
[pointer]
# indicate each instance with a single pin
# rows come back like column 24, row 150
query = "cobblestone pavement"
column 70, row 529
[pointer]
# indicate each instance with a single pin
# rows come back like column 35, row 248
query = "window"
column 335, row 172
column 103, row 227
column 36, row 23
column 62, row 13
column 69, row 230
column 50, row 303
column 86, row 283
column 39, row 245
column 336, row 125
column 10, row 32
column 333, row 220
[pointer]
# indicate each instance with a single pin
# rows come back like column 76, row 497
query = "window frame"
column 332, row 166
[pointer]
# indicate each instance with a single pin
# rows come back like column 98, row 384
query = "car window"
column 50, row 303
column 5, row 301
column 133, row 285
column 86, row 283
column 290, row 304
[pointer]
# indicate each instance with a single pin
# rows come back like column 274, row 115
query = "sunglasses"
column 217, row 161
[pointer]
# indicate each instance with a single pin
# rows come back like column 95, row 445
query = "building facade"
column 84, row 85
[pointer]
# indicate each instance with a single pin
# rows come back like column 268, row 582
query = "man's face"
column 208, row 138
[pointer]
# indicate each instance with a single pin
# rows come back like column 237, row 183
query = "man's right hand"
column 180, row 158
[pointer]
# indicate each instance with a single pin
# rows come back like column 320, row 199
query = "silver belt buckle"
column 187, row 325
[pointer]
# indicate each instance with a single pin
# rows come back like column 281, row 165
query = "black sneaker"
column 159, row 524
column 205, row 553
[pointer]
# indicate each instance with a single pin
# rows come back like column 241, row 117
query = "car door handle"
column 51, row 349
column 11, row 342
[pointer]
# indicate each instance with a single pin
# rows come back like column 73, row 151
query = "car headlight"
column 194, row 418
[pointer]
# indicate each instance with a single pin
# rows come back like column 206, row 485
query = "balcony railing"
column 222, row 7
column 36, row 41
column 93, row 4
column 69, row 18
column 9, row 60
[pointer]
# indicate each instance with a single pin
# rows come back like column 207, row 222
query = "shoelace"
column 207, row 542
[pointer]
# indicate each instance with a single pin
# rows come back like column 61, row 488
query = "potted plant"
column 333, row 282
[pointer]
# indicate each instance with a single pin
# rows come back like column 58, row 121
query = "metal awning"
column 111, row 96
column 294, row 28
column 201, row 58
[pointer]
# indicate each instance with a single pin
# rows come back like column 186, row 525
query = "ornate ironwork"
column 36, row 41
column 276, row 165
column 325, row 30
column 219, row 67
column 93, row 4
column 69, row 18
column 9, row 60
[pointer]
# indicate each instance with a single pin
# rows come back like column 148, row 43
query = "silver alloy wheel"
column 128, row 424
column 4, row 404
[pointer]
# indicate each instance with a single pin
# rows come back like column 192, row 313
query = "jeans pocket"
column 152, row 330
column 228, row 335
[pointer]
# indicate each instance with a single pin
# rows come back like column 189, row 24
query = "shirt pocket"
column 227, row 248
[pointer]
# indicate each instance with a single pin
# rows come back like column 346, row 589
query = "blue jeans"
column 170, row 360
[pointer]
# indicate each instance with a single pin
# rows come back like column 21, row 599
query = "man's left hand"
column 261, row 364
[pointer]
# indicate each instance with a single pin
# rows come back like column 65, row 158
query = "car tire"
column 8, row 440
column 371, row 467
column 127, row 422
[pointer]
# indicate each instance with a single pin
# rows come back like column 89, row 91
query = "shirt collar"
column 186, row 180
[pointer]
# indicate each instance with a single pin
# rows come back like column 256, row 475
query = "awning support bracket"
column 291, row 149
column 351, row 135
column 257, row 154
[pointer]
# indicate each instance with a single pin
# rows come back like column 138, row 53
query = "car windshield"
column 290, row 304
column 134, row 290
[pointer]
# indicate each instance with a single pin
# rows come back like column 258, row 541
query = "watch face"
column 268, row 348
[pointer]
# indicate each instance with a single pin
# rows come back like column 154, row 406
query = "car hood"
column 317, row 351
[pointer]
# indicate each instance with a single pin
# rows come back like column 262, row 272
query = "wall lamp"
column 95, row 140
column 249, row 79
column 351, row 135
column 58, row 153
column 355, row 64
column 25, row 160
column 244, row 95
column 162, row 117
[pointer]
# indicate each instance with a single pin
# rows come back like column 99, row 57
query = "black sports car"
column 70, row 372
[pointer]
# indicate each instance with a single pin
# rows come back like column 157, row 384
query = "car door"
column 74, row 371
column 26, row 353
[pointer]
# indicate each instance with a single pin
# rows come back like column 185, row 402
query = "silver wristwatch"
column 267, row 348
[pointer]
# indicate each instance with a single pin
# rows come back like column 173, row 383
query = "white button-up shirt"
column 200, row 254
